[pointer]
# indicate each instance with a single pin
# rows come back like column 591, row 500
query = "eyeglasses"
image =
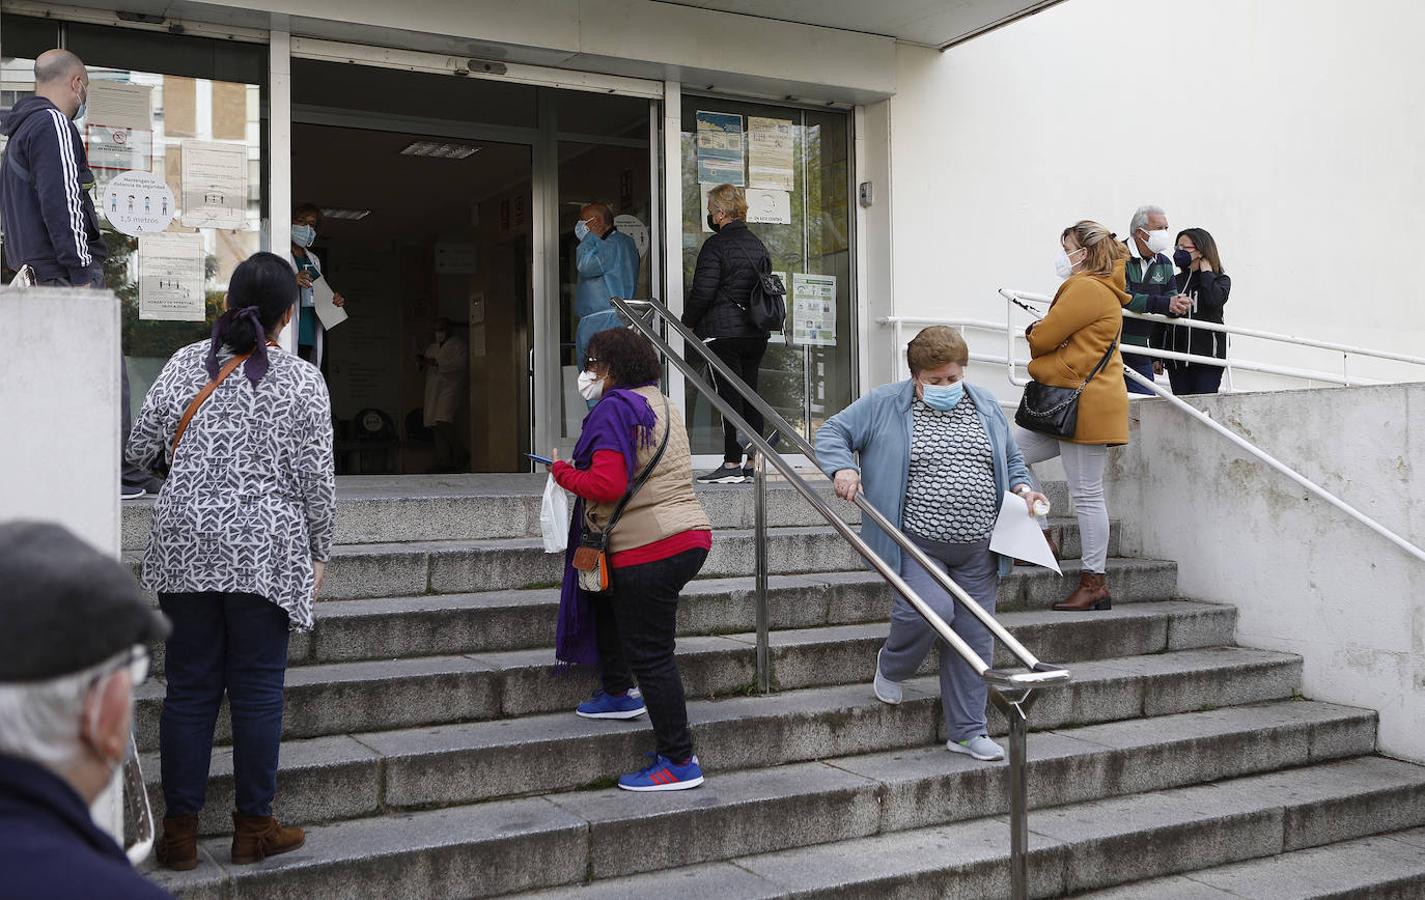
column 136, row 660
column 592, row 361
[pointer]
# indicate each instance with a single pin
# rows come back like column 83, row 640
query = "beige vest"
column 666, row 504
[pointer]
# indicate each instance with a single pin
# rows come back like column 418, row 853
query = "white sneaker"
column 980, row 747
column 887, row 691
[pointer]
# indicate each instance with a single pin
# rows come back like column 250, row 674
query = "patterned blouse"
column 950, row 493
column 250, row 500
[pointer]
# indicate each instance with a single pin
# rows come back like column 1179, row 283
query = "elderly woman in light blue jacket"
column 935, row 455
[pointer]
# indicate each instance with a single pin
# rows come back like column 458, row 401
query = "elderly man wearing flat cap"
column 74, row 632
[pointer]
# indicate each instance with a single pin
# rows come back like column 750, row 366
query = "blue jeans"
column 222, row 643
column 1143, row 365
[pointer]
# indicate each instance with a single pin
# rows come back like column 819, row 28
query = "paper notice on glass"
column 322, row 296
column 813, row 310
column 1017, row 534
column 721, row 158
column 214, row 185
column 171, row 277
column 769, row 207
column 117, row 104
column 769, row 153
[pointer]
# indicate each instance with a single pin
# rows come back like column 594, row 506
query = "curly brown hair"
column 630, row 356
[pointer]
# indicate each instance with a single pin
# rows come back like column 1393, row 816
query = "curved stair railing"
column 1012, row 691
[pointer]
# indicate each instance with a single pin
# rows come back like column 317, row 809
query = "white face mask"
column 591, row 386
column 1160, row 241
column 1063, row 265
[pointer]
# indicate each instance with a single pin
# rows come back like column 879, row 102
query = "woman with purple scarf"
column 655, row 547
column 241, row 534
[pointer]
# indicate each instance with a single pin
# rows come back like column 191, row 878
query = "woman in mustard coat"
column 1081, row 328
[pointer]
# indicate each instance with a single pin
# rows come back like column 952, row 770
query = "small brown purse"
column 591, row 557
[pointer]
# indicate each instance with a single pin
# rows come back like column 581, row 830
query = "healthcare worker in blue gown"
column 607, row 262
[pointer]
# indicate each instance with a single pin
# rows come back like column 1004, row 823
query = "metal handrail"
column 1235, row 438
column 1013, row 693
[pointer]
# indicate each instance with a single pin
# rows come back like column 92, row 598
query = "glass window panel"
column 806, row 383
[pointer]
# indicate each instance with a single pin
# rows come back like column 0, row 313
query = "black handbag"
column 767, row 305
column 1055, row 410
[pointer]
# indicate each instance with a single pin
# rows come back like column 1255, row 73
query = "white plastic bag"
column 554, row 517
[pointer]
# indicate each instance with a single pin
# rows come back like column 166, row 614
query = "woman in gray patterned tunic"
column 241, row 534
column 935, row 455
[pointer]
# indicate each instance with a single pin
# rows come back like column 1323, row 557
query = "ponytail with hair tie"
column 257, row 364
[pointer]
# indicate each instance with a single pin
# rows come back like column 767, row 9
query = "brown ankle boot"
column 1092, row 593
column 1053, row 547
column 257, row 837
column 177, row 847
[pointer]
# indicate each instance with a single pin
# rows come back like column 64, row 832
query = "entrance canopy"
column 928, row 23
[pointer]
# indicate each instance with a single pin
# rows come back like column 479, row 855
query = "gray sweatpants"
column 962, row 692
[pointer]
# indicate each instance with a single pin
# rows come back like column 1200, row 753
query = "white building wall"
column 1289, row 129
column 1305, row 577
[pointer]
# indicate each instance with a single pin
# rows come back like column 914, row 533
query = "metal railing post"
column 1016, row 714
column 764, row 614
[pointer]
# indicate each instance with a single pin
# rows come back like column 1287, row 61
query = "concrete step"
column 1073, row 848
column 361, row 571
column 446, row 624
column 341, row 698
column 483, row 507
column 1384, row 867
column 804, row 810
column 469, row 762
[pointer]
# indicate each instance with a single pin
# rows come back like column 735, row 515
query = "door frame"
column 543, row 140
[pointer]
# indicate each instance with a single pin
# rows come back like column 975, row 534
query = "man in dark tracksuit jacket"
column 45, row 209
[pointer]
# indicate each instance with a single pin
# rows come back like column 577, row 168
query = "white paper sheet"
column 1017, row 534
column 770, row 145
column 330, row 314
column 214, row 185
column 171, row 277
column 769, row 207
column 119, row 104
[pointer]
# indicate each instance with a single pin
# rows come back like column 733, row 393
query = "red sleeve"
column 603, row 482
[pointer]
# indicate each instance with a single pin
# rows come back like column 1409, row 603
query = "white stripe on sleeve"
column 71, row 186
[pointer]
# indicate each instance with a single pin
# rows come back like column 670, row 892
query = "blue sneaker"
column 664, row 775
column 628, row 705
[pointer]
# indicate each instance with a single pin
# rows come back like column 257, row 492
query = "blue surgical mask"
column 581, row 229
column 303, row 235
column 942, row 396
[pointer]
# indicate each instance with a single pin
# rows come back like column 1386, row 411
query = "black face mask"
column 713, row 225
column 1182, row 258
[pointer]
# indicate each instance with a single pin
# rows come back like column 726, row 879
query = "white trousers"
column 1084, row 465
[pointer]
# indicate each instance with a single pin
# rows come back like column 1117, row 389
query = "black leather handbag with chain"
column 1055, row 410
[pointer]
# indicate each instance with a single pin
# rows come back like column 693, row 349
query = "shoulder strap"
column 1106, row 357
column 228, row 368
column 647, row 472
column 755, row 268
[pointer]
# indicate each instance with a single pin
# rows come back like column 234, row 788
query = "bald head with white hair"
column 62, row 79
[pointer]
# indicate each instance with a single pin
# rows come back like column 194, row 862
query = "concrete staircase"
column 431, row 752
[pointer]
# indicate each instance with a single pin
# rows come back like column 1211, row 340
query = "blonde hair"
column 934, row 347
column 728, row 199
column 1101, row 246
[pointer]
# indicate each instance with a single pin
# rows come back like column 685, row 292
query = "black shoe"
column 749, row 473
column 723, row 475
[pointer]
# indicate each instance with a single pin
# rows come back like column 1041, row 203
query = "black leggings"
column 636, row 622
column 743, row 356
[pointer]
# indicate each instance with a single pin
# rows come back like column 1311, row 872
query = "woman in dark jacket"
column 1203, row 280
column 728, row 266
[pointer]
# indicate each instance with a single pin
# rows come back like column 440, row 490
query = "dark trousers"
column 743, row 356
column 222, row 643
column 1143, row 365
column 637, row 623
column 1194, row 379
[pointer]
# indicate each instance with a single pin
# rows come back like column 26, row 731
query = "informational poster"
column 633, row 227
column 138, row 203
column 118, row 104
column 171, row 277
column 112, row 150
column 214, row 185
column 229, row 111
column 769, row 207
column 721, row 157
column 456, row 258
column 814, row 310
column 769, row 153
